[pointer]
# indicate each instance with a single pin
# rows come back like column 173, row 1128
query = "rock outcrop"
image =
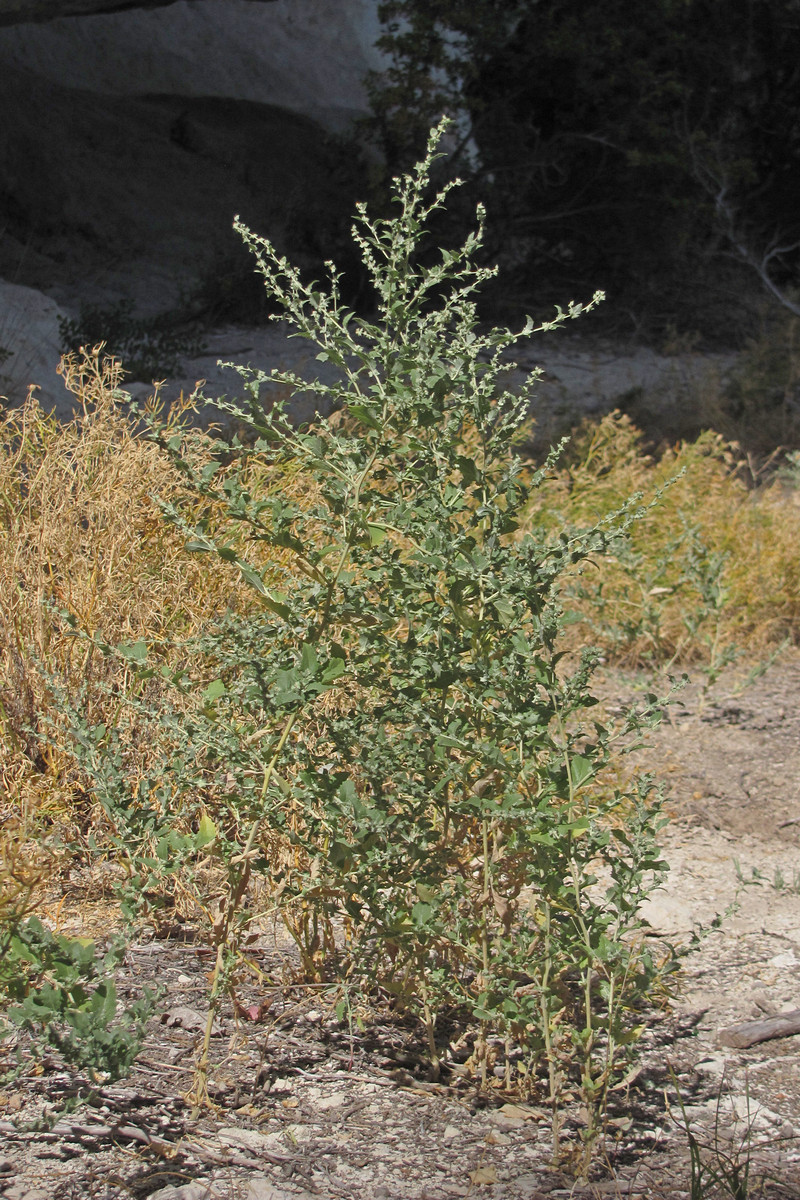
column 309, row 56
column 30, row 348
column 18, row 12
column 130, row 139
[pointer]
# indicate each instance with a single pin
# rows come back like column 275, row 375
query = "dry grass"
column 80, row 531
column 715, row 564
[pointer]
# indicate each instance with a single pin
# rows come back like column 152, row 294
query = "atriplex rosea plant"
column 392, row 740
column 57, row 993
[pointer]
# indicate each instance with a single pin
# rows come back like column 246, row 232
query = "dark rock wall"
column 135, row 195
column 128, row 143
column 19, row 12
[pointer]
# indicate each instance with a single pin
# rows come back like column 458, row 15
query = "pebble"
column 198, row 1189
column 715, row 1064
column 501, row 1121
column 495, row 1138
column 262, row 1189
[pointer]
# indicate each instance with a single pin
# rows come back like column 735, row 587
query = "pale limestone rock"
column 29, row 330
column 17, row 12
column 309, row 56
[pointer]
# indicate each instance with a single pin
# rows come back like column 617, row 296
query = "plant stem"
column 198, row 1095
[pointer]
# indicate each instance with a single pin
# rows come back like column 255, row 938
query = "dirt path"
column 308, row 1109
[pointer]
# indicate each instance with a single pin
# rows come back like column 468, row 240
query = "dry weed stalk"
column 82, row 532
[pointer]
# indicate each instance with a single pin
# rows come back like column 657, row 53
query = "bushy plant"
column 60, row 991
column 395, row 742
column 708, row 575
column 56, row 992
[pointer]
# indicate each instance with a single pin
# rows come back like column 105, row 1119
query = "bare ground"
column 305, row 1107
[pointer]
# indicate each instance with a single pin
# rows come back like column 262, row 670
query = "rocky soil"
column 306, row 1107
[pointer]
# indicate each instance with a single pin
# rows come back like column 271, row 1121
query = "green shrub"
column 61, row 992
column 57, row 993
column 395, row 744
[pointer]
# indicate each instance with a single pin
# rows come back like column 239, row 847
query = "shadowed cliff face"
column 135, row 196
column 129, row 141
column 18, row 12
column 309, row 56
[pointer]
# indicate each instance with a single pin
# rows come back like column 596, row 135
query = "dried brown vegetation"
column 713, row 569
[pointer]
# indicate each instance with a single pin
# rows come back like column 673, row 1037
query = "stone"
column 259, row 1188
column 785, row 959
column 250, row 1139
column 198, row 1189
column 712, row 1064
column 301, row 55
column 495, row 1138
column 16, row 12
column 21, row 1191
column 30, row 340
column 503, row 1122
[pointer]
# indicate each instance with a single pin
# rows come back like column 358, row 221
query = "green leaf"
column 272, row 602
column 465, row 617
column 363, row 415
column 334, row 670
column 468, row 469
column 104, row 1001
column 135, row 652
column 341, row 855
column 505, row 610
column 254, row 579
column 206, row 832
column 580, row 769
column 214, row 690
column 308, row 659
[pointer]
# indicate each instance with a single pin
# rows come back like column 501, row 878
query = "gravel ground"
column 303, row 1108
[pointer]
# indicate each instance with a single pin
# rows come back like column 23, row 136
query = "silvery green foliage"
column 60, row 992
column 398, row 714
